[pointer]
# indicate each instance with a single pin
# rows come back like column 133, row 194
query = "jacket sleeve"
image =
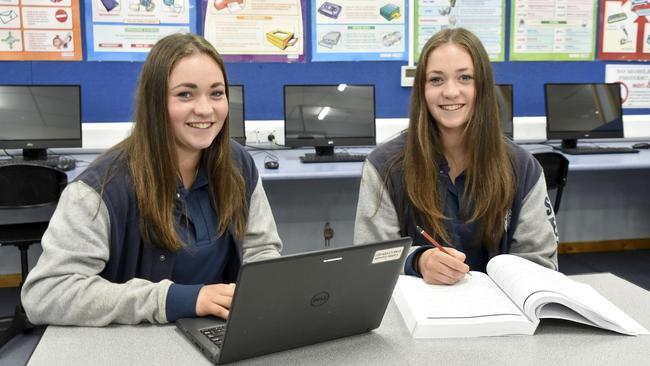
column 65, row 288
column 376, row 218
column 261, row 240
column 536, row 236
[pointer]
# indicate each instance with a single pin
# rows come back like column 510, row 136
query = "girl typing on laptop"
column 454, row 174
column 158, row 226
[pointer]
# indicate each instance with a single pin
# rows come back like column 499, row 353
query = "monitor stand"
column 324, row 150
column 34, row 154
column 569, row 143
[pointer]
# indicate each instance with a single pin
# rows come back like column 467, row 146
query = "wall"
column 108, row 87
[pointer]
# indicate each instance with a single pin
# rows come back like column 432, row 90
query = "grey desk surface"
column 291, row 168
column 555, row 343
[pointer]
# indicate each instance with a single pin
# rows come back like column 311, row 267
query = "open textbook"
column 510, row 299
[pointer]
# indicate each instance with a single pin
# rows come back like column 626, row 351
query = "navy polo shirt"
column 463, row 236
column 205, row 257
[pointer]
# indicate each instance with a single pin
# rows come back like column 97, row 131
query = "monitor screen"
column 37, row 117
column 504, row 100
column 575, row 111
column 324, row 116
column 236, row 113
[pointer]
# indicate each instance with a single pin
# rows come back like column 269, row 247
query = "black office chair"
column 28, row 196
column 556, row 168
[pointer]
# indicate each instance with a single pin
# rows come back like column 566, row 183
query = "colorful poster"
column 125, row 30
column 40, row 30
column 552, row 30
column 486, row 18
column 635, row 84
column 624, row 34
column 256, row 30
column 359, row 30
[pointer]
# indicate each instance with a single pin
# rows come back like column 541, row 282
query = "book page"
column 472, row 297
column 519, row 278
column 531, row 286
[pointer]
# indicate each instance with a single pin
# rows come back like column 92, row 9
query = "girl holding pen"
column 453, row 174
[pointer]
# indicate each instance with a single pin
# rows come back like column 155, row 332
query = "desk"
column 601, row 162
column 555, row 343
column 605, row 198
column 291, row 168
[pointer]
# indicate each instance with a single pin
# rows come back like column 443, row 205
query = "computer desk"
column 603, row 199
column 291, row 168
column 555, row 343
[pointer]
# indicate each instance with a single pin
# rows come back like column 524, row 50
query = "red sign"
column 61, row 15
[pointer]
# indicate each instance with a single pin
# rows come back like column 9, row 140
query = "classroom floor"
column 632, row 265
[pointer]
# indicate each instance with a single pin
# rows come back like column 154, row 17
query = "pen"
column 434, row 242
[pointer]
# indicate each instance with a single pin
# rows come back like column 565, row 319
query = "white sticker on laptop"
column 387, row 255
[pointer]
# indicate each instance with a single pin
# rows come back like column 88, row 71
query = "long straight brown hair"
column 490, row 182
column 150, row 150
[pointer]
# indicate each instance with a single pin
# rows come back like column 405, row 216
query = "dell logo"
column 320, row 298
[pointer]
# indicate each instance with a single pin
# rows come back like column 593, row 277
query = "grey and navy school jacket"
column 96, row 269
column 384, row 211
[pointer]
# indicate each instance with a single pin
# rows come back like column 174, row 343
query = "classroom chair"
column 556, row 168
column 29, row 194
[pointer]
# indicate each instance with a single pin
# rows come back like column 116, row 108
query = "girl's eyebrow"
column 194, row 86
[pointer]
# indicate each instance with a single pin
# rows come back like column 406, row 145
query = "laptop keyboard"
column 215, row 334
column 583, row 150
column 336, row 158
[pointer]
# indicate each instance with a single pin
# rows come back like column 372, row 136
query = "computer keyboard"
column 583, row 150
column 336, row 158
column 59, row 162
column 215, row 334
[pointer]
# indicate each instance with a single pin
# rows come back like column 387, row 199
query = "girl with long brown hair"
column 157, row 227
column 453, row 173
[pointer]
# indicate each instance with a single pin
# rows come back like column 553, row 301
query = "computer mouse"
column 641, row 145
column 272, row 164
column 66, row 164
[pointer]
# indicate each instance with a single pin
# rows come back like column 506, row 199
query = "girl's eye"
column 466, row 78
column 217, row 93
column 184, row 95
column 436, row 80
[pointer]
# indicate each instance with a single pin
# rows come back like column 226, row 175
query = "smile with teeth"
column 200, row 125
column 452, row 107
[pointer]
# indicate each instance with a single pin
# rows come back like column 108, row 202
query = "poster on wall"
column 359, row 30
column 635, row 84
column 125, row 30
column 40, row 30
column 256, row 30
column 624, row 33
column 485, row 18
column 553, row 30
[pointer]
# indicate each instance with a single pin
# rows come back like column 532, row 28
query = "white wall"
column 97, row 136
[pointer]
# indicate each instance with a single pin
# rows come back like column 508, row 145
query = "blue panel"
column 108, row 87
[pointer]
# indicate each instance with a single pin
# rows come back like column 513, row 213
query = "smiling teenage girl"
column 157, row 227
column 452, row 173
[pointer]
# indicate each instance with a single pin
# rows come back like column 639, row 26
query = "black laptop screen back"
column 311, row 297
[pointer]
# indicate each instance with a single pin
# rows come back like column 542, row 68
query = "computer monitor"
column 504, row 100
column 236, row 113
column 577, row 111
column 324, row 116
column 37, row 117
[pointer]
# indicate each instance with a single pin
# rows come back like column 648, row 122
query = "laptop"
column 302, row 299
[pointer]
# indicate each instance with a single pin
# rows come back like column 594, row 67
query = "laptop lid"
column 307, row 298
